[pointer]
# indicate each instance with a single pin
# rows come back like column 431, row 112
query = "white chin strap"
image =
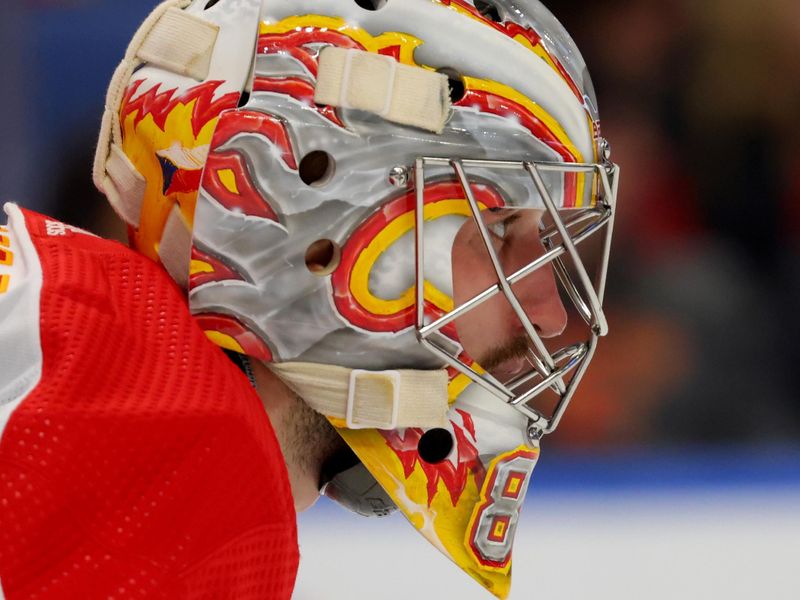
column 370, row 399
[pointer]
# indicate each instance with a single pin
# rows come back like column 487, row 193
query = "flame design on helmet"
column 294, row 34
column 158, row 126
column 498, row 99
column 452, row 474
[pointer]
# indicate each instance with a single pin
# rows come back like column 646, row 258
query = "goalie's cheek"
column 494, row 323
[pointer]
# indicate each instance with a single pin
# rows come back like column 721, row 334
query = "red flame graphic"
column 221, row 270
column 249, row 200
column 245, row 121
column 160, row 104
column 454, row 476
column 250, row 342
column 294, row 43
column 497, row 105
column 297, row 44
column 298, row 89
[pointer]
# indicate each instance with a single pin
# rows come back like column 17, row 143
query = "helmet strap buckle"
column 363, row 412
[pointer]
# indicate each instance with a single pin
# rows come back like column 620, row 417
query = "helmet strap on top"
column 404, row 94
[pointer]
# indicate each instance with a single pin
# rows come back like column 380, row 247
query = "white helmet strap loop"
column 370, row 399
column 405, row 94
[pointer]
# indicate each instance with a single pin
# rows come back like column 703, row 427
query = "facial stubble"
column 308, row 438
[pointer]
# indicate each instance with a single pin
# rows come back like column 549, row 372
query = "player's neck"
column 290, row 421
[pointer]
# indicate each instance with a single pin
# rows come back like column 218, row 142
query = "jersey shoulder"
column 130, row 446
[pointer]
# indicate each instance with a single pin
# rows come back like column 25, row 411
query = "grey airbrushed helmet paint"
column 278, row 298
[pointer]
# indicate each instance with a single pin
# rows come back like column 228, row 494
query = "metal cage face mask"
column 558, row 370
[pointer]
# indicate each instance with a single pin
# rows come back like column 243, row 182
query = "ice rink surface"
column 681, row 525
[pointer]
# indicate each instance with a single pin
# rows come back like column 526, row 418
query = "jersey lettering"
column 6, row 259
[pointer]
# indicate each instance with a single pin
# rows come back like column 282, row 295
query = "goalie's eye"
column 499, row 224
column 498, row 228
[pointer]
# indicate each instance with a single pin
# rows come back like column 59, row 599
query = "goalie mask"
column 387, row 201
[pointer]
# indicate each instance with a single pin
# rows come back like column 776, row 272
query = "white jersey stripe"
column 20, row 293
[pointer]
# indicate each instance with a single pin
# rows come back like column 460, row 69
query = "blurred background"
column 676, row 471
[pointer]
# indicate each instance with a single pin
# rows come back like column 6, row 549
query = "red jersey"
column 135, row 459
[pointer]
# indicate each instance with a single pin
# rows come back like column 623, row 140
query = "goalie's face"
column 491, row 333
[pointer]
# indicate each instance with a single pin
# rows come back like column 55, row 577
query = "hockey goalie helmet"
column 316, row 172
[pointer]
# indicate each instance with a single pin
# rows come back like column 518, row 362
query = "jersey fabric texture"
column 140, row 463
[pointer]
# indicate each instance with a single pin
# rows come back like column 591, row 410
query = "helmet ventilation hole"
column 488, row 10
column 210, row 3
column 323, row 256
column 435, row 445
column 316, row 168
column 456, row 83
column 244, row 98
column 371, row 4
